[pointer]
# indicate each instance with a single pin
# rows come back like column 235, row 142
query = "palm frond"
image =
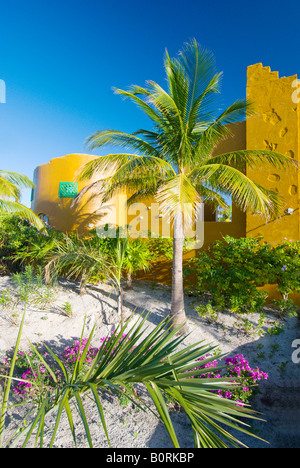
column 178, row 87
column 11, row 184
column 101, row 166
column 236, row 112
column 75, row 260
column 208, row 134
column 254, row 159
column 209, row 195
column 9, row 190
column 126, row 163
column 203, row 82
column 201, row 110
column 129, row 171
column 178, row 195
column 15, row 178
column 246, row 193
column 17, row 209
column 122, row 140
column 154, row 114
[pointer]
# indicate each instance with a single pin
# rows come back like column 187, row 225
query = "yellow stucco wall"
column 275, row 126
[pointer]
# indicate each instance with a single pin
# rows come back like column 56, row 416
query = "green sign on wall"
column 68, row 189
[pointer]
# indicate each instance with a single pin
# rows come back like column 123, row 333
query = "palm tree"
column 174, row 162
column 125, row 256
column 11, row 184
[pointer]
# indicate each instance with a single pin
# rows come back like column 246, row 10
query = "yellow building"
column 275, row 126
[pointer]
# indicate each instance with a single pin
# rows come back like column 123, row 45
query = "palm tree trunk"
column 120, row 305
column 129, row 280
column 82, row 288
column 177, row 314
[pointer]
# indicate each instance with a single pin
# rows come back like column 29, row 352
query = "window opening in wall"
column 224, row 215
column 219, row 214
column 43, row 217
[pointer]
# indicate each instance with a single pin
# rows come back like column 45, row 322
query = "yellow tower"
column 275, row 126
column 55, row 190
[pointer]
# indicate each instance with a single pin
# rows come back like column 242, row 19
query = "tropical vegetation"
column 36, row 378
column 88, row 260
column 175, row 162
column 93, row 260
column 192, row 380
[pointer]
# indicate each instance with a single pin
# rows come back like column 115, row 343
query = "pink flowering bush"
column 71, row 353
column 24, row 387
column 242, row 375
column 248, row 378
column 74, row 352
column 37, row 378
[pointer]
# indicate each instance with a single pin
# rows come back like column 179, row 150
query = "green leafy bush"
column 233, row 270
column 21, row 242
column 14, row 233
column 285, row 268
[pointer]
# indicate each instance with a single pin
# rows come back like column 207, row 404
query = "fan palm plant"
column 125, row 256
column 11, row 184
column 116, row 254
column 107, row 259
column 75, row 259
column 174, row 161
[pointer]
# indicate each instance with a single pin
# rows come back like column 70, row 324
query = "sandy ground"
column 279, row 400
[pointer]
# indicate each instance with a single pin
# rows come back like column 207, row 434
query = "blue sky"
column 60, row 59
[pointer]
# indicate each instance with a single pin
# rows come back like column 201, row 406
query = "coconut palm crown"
column 174, row 161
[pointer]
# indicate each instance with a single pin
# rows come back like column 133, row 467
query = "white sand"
column 279, row 401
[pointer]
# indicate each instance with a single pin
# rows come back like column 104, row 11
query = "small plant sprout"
column 67, row 309
column 208, row 312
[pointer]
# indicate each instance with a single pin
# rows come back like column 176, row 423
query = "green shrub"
column 233, row 269
column 208, row 312
column 22, row 243
column 14, row 235
column 285, row 269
